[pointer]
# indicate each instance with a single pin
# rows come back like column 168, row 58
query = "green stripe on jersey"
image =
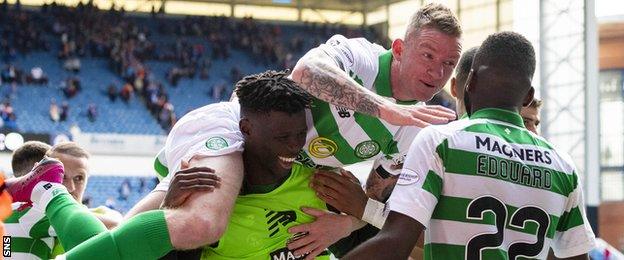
column 570, row 219
column 510, row 134
column 15, row 217
column 377, row 131
column 433, row 184
column 455, row 209
column 559, row 182
column 160, row 168
column 30, row 246
column 41, row 228
column 326, row 126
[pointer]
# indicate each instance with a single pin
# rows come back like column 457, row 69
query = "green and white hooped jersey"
column 32, row 237
column 486, row 188
column 338, row 136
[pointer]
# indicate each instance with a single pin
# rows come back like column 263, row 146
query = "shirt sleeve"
column 392, row 163
column 210, row 131
column 420, row 182
column 355, row 56
column 574, row 235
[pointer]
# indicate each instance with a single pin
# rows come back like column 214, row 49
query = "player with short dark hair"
column 25, row 157
column 458, row 83
column 274, row 190
column 476, row 184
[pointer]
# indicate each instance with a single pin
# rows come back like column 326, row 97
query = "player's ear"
column 245, row 126
column 454, row 87
column 529, row 97
column 397, row 49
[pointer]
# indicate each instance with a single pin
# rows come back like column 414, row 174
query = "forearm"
column 378, row 247
column 321, row 77
column 204, row 217
column 395, row 241
column 357, row 237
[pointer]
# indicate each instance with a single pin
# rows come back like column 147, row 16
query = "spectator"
column 64, row 111
column 6, row 110
column 235, row 74
column 92, row 112
column 72, row 64
column 72, row 87
column 37, row 76
column 112, row 92
column 10, row 123
column 10, row 75
column 142, row 184
column 54, row 111
column 125, row 190
column 166, row 116
column 218, row 90
column 126, row 92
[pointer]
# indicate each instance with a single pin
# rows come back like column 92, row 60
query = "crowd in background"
column 192, row 45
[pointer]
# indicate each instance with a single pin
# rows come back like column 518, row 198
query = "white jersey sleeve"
column 357, row 55
column 410, row 196
column 391, row 163
column 575, row 238
column 208, row 131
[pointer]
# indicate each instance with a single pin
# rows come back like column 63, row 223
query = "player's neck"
column 394, row 81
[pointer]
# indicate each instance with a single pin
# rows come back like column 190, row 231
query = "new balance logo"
column 274, row 218
column 343, row 112
column 6, row 246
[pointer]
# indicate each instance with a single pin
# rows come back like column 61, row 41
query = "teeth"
column 286, row 159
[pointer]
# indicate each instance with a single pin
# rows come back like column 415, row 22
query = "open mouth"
column 286, row 162
column 286, row 159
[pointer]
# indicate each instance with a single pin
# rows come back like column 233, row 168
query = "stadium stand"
column 176, row 63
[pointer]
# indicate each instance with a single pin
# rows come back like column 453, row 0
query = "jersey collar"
column 382, row 82
column 500, row 115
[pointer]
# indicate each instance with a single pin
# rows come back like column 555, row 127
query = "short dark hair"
column 27, row 155
column 465, row 64
column 509, row 52
column 271, row 91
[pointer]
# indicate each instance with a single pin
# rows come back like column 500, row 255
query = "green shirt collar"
column 500, row 115
column 382, row 82
column 465, row 115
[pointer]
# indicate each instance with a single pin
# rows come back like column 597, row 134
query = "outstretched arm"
column 320, row 75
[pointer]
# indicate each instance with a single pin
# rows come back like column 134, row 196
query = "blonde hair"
column 68, row 148
column 436, row 16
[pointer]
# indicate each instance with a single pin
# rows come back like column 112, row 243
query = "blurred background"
column 114, row 76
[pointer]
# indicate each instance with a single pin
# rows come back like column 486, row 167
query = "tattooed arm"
column 320, row 75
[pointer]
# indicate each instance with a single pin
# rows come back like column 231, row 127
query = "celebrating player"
column 461, row 181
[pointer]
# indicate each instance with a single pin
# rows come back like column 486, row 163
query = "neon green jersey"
column 258, row 227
